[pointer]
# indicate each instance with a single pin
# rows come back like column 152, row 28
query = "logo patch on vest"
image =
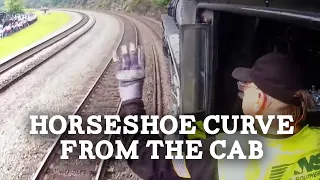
column 306, row 168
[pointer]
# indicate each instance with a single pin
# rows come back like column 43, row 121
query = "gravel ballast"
column 56, row 87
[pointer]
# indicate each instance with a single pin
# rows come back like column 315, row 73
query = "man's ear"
column 261, row 102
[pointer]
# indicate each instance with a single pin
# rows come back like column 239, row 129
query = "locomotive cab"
column 225, row 36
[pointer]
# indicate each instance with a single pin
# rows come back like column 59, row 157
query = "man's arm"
column 130, row 74
column 149, row 169
column 145, row 167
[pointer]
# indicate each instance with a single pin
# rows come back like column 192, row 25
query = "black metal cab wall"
column 225, row 36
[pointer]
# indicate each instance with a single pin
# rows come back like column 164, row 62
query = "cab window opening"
column 243, row 39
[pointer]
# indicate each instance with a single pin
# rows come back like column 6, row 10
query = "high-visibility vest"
column 293, row 158
column 200, row 132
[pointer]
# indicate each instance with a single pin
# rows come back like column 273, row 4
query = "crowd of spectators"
column 9, row 26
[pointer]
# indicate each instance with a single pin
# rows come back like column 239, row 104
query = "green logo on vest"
column 309, row 167
column 311, row 164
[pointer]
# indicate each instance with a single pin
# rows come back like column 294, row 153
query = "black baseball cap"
column 276, row 75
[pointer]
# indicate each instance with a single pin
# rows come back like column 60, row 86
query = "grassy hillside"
column 45, row 25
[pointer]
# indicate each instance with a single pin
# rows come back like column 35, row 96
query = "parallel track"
column 157, row 89
column 175, row 81
column 103, row 99
column 157, row 75
column 29, row 53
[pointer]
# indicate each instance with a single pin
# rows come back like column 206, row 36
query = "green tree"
column 13, row 6
column 162, row 2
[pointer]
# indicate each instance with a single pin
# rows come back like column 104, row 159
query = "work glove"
column 130, row 72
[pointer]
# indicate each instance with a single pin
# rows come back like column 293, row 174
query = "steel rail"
column 25, row 55
column 82, row 106
column 28, row 53
column 157, row 90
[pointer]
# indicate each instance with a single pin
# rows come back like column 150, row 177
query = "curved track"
column 157, row 88
column 29, row 53
column 102, row 99
column 157, row 75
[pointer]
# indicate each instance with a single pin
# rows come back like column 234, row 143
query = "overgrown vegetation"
column 143, row 5
column 14, row 6
column 162, row 2
column 148, row 7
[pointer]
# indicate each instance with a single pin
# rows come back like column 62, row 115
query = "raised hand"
column 130, row 72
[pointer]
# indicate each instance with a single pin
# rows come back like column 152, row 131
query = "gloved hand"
column 130, row 72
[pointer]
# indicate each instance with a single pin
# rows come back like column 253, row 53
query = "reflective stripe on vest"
column 180, row 167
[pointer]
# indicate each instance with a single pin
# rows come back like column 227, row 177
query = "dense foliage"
column 39, row 3
column 50, row 3
column 162, row 2
column 150, row 7
column 14, row 6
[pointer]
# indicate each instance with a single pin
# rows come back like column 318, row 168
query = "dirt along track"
column 54, row 88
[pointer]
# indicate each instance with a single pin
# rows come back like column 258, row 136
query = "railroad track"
column 152, row 24
column 157, row 89
column 5, row 66
column 175, row 81
column 102, row 99
column 157, row 76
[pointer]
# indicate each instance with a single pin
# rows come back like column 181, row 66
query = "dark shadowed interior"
column 243, row 39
